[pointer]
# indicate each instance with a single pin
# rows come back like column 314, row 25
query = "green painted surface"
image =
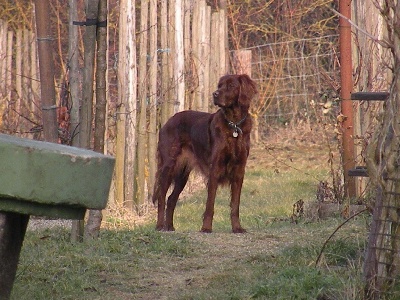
column 52, row 175
column 38, row 209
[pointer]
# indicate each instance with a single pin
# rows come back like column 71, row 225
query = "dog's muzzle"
column 216, row 100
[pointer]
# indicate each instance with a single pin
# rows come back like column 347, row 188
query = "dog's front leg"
column 236, row 189
column 209, row 212
column 160, row 214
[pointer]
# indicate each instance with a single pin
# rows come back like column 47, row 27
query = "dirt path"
column 215, row 255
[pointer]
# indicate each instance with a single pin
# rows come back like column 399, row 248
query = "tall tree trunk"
column 95, row 216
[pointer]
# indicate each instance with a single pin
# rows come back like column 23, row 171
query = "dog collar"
column 235, row 126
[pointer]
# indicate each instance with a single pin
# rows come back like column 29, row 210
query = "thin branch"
column 333, row 233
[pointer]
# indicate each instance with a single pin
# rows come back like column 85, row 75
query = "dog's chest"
column 236, row 150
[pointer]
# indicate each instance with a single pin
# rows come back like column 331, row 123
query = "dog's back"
column 184, row 141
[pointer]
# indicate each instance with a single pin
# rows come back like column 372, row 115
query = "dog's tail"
column 156, row 190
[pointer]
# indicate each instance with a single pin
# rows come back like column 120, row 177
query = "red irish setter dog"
column 217, row 144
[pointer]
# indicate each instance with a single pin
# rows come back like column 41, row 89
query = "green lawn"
column 274, row 260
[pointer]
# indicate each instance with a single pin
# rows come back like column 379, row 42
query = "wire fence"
column 294, row 73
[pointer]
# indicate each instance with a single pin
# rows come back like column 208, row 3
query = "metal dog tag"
column 235, row 134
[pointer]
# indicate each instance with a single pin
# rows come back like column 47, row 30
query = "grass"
column 261, row 202
column 274, row 260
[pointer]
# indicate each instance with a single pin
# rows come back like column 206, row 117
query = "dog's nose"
column 215, row 94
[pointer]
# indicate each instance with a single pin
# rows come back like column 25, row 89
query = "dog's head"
column 234, row 90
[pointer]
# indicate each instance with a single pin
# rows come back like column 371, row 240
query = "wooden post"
column 205, row 48
column 224, row 36
column 214, row 49
column 46, row 66
column 196, row 55
column 34, row 76
column 223, row 46
column 152, row 144
column 18, row 77
column 187, row 33
column 171, row 58
column 121, row 161
column 201, row 49
column 3, row 55
column 346, row 73
column 165, row 55
column 26, row 91
column 10, row 36
column 74, row 74
column 179, row 63
column 241, row 62
column 95, row 217
column 140, row 173
column 128, row 91
column 89, row 41
column 86, row 113
column 3, row 69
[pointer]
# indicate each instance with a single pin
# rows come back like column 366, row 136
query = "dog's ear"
column 248, row 89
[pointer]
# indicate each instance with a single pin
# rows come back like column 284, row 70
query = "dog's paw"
column 239, row 230
column 169, row 228
column 206, row 230
column 159, row 227
column 165, row 228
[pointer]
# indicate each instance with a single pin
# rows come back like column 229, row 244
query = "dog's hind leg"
column 180, row 181
column 163, row 182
